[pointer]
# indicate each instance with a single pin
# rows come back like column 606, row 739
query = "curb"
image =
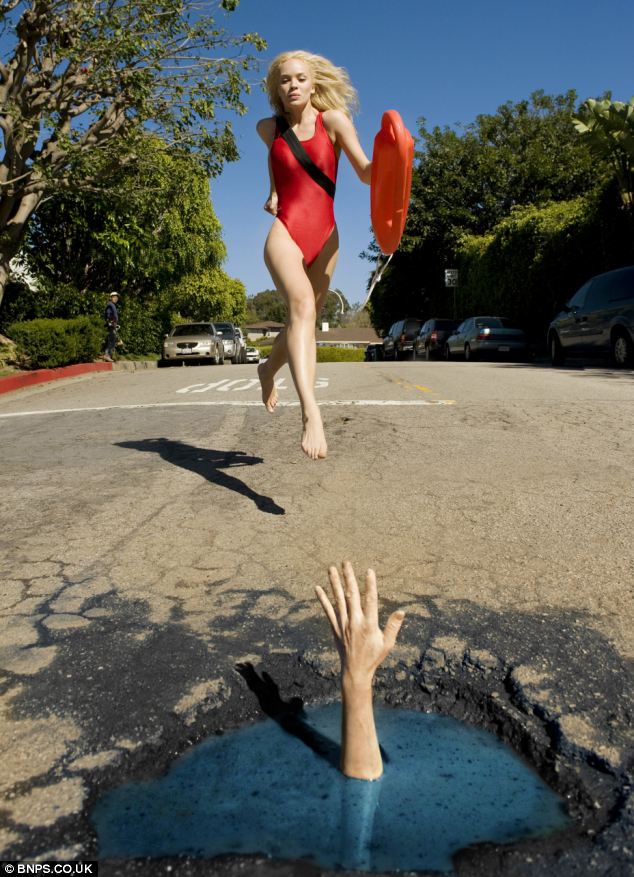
column 44, row 375
column 133, row 365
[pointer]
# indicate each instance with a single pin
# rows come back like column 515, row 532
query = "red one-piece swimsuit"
column 304, row 207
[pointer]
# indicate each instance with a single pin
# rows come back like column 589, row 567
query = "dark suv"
column 400, row 338
column 430, row 341
column 597, row 321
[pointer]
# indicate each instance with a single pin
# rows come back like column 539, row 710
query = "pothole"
column 275, row 790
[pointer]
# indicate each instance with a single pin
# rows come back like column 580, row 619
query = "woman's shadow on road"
column 209, row 464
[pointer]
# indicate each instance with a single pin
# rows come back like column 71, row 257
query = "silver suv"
column 597, row 321
column 235, row 347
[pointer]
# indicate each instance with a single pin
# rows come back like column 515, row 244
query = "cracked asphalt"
column 159, row 528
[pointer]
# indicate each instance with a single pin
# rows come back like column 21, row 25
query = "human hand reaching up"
column 361, row 643
column 362, row 646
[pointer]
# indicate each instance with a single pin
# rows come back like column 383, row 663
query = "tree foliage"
column 270, row 305
column 153, row 237
column 530, row 264
column 608, row 127
column 85, row 78
column 154, row 224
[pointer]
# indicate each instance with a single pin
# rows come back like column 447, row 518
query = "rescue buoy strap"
column 303, row 157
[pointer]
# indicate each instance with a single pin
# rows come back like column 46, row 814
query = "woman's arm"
column 341, row 129
column 266, row 130
column 362, row 646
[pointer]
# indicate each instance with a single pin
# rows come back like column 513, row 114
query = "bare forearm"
column 360, row 753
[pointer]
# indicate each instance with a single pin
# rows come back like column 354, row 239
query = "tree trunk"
column 12, row 235
column 5, row 259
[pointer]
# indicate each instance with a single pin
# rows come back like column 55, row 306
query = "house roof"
column 265, row 324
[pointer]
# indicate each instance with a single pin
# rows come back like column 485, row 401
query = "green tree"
column 153, row 236
column 85, row 78
column 334, row 309
column 154, row 224
column 608, row 128
column 468, row 180
column 269, row 305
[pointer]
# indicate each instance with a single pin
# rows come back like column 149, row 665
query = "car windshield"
column 225, row 329
column 193, row 329
column 490, row 323
column 412, row 326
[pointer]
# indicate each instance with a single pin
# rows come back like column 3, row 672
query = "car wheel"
column 622, row 349
column 414, row 357
column 556, row 351
column 395, row 354
column 221, row 354
column 427, row 352
column 447, row 352
column 468, row 353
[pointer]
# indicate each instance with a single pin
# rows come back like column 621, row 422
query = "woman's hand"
column 271, row 204
column 361, row 643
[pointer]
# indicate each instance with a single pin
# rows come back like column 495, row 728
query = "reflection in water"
column 261, row 790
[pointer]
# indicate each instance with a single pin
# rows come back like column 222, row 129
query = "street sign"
column 451, row 277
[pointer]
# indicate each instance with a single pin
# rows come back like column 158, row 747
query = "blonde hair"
column 333, row 89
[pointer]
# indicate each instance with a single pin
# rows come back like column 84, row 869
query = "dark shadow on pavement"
column 600, row 368
column 210, row 465
column 289, row 714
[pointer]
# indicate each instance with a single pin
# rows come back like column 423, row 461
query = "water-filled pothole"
column 259, row 790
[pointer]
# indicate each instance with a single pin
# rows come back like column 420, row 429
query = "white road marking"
column 225, row 385
column 294, row 403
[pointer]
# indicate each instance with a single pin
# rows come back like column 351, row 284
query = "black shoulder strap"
column 304, row 158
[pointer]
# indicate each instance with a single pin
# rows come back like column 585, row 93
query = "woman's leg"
column 284, row 261
column 320, row 275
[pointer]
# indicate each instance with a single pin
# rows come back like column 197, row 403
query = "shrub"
column 339, row 354
column 324, row 354
column 54, row 343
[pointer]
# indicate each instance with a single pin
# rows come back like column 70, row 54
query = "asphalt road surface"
column 159, row 526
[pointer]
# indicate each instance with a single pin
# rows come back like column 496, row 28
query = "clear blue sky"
column 446, row 60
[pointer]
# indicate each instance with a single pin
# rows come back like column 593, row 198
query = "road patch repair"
column 112, row 725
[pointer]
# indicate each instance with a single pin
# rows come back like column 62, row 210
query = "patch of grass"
column 325, row 354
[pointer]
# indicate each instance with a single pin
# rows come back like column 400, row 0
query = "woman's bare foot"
column 269, row 390
column 313, row 437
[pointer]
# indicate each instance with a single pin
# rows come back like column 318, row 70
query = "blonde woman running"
column 312, row 100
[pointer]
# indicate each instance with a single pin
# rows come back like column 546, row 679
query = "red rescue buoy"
column 391, row 181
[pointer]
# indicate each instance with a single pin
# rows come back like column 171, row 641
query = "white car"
column 252, row 354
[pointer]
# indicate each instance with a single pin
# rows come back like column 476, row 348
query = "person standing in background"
column 112, row 324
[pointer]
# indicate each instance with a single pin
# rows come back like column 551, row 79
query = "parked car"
column 597, row 321
column 252, row 354
column 191, row 342
column 431, row 339
column 487, row 336
column 233, row 341
column 400, row 339
column 373, row 353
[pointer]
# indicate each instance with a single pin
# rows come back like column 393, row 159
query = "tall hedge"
column 53, row 343
column 535, row 259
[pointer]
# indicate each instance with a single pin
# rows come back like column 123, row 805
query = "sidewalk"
column 20, row 380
